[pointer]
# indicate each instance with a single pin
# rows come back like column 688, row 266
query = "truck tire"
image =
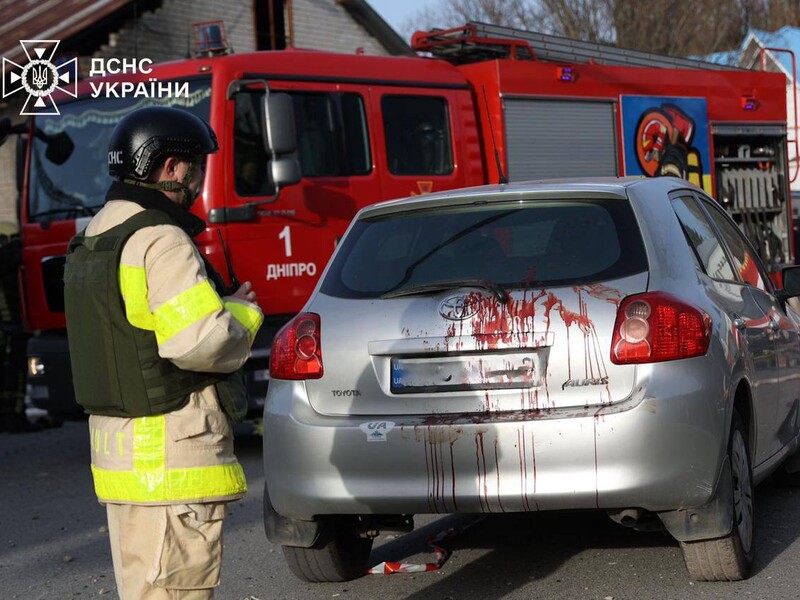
column 340, row 554
column 729, row 558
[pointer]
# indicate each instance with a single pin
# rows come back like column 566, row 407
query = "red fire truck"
column 486, row 104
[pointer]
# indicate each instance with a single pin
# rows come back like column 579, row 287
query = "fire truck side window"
column 417, row 130
column 332, row 139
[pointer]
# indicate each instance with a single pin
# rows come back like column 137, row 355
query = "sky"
column 397, row 12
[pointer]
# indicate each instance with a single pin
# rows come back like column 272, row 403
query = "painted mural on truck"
column 666, row 136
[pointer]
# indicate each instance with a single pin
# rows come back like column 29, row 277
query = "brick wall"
column 165, row 34
column 325, row 25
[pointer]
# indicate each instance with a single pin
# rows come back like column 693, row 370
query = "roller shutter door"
column 560, row 138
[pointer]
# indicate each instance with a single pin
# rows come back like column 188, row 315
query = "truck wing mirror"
column 280, row 143
column 281, row 139
column 279, row 119
column 285, row 170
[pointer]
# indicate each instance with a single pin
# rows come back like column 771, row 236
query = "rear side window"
column 703, row 240
column 747, row 263
column 521, row 245
column 417, row 130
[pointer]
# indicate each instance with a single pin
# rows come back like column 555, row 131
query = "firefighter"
column 157, row 345
column 13, row 339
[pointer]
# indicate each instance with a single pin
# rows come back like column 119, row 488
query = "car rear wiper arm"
column 449, row 284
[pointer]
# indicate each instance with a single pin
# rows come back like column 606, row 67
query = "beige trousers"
column 166, row 552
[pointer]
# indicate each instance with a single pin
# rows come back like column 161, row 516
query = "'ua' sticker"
column 377, row 431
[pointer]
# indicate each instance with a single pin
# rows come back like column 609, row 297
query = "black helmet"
column 146, row 135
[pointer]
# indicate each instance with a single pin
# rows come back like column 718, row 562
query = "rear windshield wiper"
column 450, row 284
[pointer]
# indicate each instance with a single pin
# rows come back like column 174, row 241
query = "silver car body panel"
column 563, row 335
column 652, row 436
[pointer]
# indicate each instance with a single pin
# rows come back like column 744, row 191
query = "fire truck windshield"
column 68, row 166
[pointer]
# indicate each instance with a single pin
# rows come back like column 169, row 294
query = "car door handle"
column 739, row 322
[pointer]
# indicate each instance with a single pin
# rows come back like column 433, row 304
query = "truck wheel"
column 340, row 554
column 729, row 558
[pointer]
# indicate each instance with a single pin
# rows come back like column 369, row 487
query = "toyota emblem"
column 458, row 308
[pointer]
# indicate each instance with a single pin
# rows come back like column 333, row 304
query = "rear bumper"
column 661, row 449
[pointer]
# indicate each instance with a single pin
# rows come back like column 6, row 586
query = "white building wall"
column 165, row 34
column 326, row 25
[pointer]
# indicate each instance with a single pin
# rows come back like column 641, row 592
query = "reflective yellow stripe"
column 133, row 285
column 249, row 319
column 171, row 317
column 170, row 485
column 184, row 309
column 149, row 443
column 150, row 481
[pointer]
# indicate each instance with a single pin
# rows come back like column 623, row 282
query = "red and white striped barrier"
column 442, row 554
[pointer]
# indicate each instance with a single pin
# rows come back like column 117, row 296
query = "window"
column 332, row 138
column 417, row 130
column 703, row 240
column 76, row 186
column 543, row 243
column 745, row 259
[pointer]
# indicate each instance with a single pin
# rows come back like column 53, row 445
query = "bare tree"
column 452, row 13
column 673, row 27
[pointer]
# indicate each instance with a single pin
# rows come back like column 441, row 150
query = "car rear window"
column 542, row 243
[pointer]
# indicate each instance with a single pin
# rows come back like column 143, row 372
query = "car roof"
column 579, row 187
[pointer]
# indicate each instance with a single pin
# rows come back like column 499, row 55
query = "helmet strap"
column 189, row 195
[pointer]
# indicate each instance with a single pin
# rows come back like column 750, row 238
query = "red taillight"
column 655, row 327
column 296, row 350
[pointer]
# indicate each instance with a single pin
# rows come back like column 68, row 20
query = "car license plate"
column 477, row 371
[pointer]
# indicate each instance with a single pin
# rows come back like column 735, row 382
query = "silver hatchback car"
column 609, row 344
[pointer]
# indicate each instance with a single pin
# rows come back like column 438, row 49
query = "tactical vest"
column 116, row 368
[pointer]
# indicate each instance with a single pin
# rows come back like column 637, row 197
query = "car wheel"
column 729, row 558
column 339, row 554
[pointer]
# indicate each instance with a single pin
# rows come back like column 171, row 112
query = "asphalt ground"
column 54, row 544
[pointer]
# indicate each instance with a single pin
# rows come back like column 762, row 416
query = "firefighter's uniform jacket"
column 186, row 455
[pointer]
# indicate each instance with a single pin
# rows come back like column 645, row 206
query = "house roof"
column 48, row 20
column 370, row 20
column 787, row 38
column 730, row 58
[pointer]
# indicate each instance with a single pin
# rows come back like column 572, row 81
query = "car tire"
column 339, row 554
column 729, row 558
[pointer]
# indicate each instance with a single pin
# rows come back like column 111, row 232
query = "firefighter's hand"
column 245, row 292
